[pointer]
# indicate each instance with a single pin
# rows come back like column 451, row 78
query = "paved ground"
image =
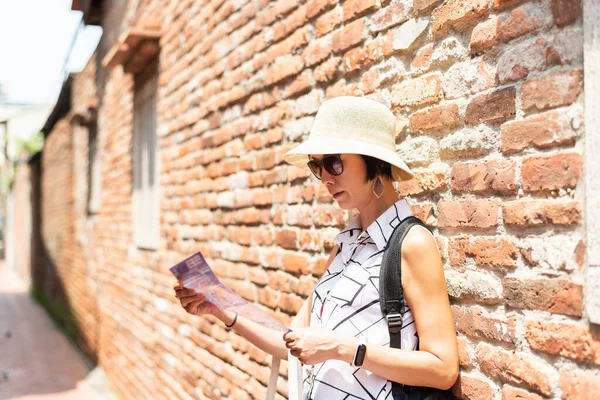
column 36, row 360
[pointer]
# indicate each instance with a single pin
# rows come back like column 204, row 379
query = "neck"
column 374, row 208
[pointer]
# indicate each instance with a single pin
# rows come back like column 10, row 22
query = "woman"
column 351, row 149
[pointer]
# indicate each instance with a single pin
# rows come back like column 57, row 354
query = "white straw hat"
column 352, row 125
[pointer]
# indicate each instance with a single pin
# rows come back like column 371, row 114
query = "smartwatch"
column 360, row 352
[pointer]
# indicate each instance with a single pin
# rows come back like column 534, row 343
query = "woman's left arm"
column 436, row 362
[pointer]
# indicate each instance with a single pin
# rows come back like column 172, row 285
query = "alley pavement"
column 36, row 359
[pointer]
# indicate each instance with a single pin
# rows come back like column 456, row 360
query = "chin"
column 344, row 205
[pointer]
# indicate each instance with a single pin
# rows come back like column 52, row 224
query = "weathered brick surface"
column 471, row 388
column 579, row 384
column 560, row 171
column 513, row 393
column 458, row 14
column 486, row 251
column 514, row 368
column 485, row 35
column 475, row 322
column 487, row 176
column 435, row 118
column 489, row 110
column 493, row 108
column 545, row 130
column 551, row 91
column 539, row 212
column 553, row 295
column 468, row 214
column 565, row 339
column 566, row 12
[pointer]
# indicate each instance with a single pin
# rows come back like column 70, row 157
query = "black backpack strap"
column 391, row 293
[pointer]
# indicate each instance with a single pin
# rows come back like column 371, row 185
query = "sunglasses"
column 332, row 164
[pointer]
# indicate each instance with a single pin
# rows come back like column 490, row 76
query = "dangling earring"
column 378, row 187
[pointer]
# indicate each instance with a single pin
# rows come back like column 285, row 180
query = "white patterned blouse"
column 346, row 300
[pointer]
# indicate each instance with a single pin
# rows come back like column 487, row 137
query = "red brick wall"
column 489, row 110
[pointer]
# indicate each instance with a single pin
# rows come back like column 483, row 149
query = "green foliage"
column 33, row 145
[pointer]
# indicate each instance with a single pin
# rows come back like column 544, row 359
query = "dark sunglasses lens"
column 315, row 169
column 333, row 165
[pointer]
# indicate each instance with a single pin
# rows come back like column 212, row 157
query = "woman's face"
column 349, row 188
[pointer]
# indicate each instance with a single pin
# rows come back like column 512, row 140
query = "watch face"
column 360, row 355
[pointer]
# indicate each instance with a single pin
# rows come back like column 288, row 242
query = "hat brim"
column 298, row 156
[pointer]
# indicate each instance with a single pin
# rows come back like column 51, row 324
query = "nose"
column 327, row 178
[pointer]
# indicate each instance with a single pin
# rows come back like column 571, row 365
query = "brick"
column 295, row 263
column 417, row 92
column 500, row 4
column 284, row 28
column 579, row 384
column 354, row 8
column 327, row 22
column 474, row 286
column 287, row 238
column 468, row 213
column 565, row 47
column 283, row 68
column 268, row 297
column 557, row 296
column 422, row 58
column 472, row 388
column 541, row 212
column 362, row 57
column 513, row 367
column 435, row 118
column 565, row 339
column 348, row 35
column 301, row 85
column 559, row 171
column 463, row 79
column 315, row 7
column 464, row 355
column 317, row 51
column 518, row 24
column 513, row 393
column 458, row 14
column 493, row 108
column 475, row 322
column 424, row 212
column 485, row 35
column 327, row 71
column 389, row 16
column 483, row 177
column 486, row 251
column 542, row 131
column 290, row 303
column 565, row 12
column 423, row 6
column 551, row 91
column 423, row 182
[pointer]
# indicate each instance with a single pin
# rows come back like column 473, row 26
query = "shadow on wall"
column 47, row 286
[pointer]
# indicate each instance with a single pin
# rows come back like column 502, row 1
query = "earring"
column 378, row 187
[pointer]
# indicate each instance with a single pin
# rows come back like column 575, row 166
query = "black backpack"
column 393, row 307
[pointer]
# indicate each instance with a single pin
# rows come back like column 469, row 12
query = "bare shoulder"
column 419, row 242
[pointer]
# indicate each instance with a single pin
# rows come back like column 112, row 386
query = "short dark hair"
column 376, row 167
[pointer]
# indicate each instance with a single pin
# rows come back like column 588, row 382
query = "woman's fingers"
column 184, row 292
column 191, row 299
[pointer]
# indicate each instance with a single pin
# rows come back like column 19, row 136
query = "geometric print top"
column 346, row 300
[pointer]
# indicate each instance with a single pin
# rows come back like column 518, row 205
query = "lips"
column 338, row 194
